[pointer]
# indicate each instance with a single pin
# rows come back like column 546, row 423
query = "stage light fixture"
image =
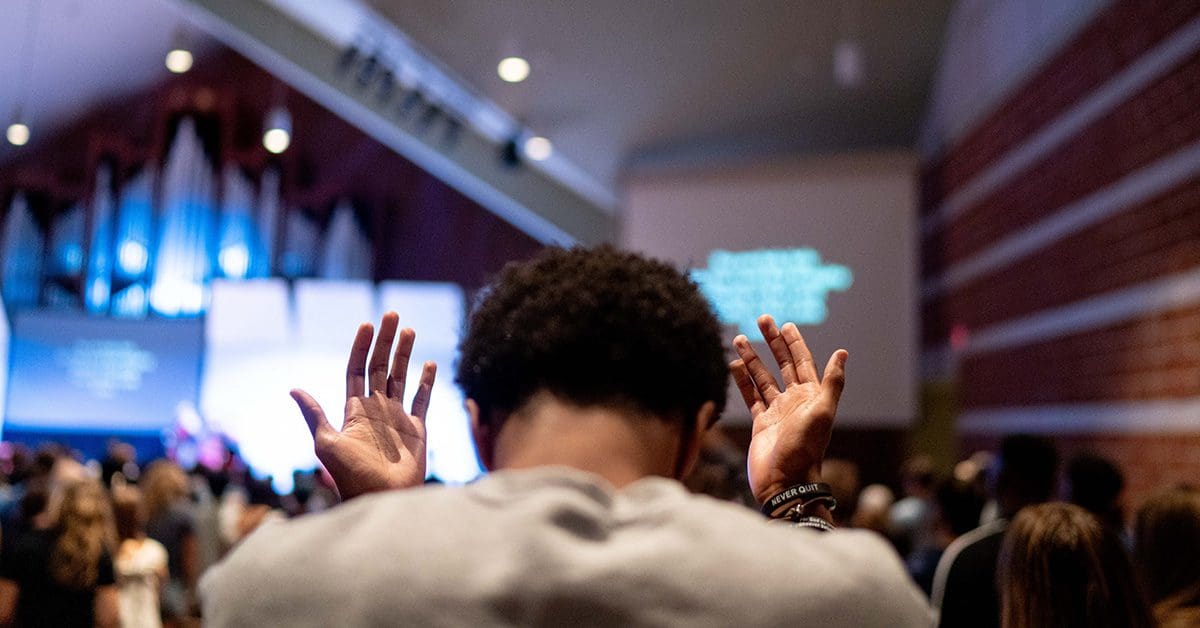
column 278, row 134
column 538, row 148
column 179, row 60
column 510, row 153
column 513, row 69
column 17, row 133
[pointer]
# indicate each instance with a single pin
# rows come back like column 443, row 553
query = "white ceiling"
column 617, row 85
column 83, row 52
column 621, row 84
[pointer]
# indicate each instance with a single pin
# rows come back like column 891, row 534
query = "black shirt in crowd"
column 42, row 601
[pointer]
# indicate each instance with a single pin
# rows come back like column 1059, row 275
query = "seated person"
column 1167, row 553
column 1060, row 566
column 591, row 377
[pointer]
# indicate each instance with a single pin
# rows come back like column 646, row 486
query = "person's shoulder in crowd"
column 964, row 585
column 552, row 547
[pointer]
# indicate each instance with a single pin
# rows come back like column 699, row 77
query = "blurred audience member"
column 60, row 573
column 964, row 587
column 141, row 562
column 910, row 520
column 875, row 501
column 170, row 521
column 1060, row 567
column 1167, row 553
column 842, row 476
column 1095, row 484
column 721, row 471
column 956, row 509
column 119, row 458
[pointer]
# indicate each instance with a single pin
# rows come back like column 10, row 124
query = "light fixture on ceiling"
column 848, row 55
column 848, row 63
column 538, row 148
column 277, row 128
column 18, row 132
column 179, row 57
column 278, row 134
column 513, row 69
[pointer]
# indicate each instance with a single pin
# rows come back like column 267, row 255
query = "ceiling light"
column 278, row 135
column 179, row 60
column 848, row 63
column 513, row 69
column 18, row 134
column 538, row 148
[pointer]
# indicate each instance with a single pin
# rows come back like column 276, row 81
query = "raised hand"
column 380, row 446
column 792, row 424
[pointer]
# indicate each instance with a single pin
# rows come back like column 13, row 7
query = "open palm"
column 792, row 424
column 380, row 446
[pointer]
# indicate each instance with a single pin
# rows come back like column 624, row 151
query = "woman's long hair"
column 1060, row 567
column 85, row 534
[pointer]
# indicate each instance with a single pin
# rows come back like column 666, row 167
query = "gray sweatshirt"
column 553, row 547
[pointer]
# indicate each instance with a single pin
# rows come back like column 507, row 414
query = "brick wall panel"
column 1142, row 243
column 1084, row 63
column 1152, row 357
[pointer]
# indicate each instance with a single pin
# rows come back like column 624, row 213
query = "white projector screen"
column 830, row 243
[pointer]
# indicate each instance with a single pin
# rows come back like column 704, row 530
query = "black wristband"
column 797, row 493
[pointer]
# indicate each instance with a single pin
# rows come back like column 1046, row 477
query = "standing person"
column 964, row 584
column 141, row 562
column 170, row 521
column 1059, row 566
column 61, row 572
column 591, row 378
column 1167, row 554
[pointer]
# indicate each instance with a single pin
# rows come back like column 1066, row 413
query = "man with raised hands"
column 591, row 377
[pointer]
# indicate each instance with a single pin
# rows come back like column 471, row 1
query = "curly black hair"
column 594, row 327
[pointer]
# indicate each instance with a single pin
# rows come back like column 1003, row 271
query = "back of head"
column 959, row 504
column 593, row 327
column 1027, row 474
column 85, row 532
column 1060, row 567
column 129, row 512
column 163, row 483
column 1095, row 484
column 1167, row 545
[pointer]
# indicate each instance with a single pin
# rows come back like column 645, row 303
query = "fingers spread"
column 356, row 369
column 835, row 377
column 377, row 371
column 745, row 385
column 779, row 348
column 802, row 358
column 314, row 416
column 399, row 374
column 424, row 390
column 763, row 380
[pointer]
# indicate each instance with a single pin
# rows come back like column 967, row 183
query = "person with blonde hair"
column 141, row 562
column 61, row 572
column 1059, row 566
column 170, row 521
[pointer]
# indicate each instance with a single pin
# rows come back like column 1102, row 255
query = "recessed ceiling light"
column 18, row 134
column 179, row 60
column 513, row 69
column 538, row 148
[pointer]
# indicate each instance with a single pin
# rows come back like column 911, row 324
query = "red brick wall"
column 1151, row 355
column 1093, row 56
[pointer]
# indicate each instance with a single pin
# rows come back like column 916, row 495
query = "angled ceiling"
column 626, row 84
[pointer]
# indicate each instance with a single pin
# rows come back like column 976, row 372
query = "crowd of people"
column 594, row 378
